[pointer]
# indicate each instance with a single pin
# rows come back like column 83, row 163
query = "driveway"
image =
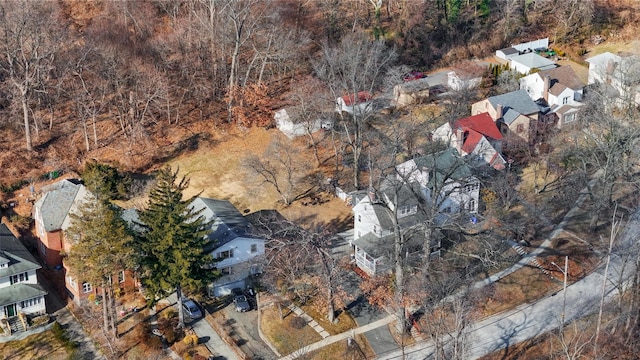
column 380, row 339
column 245, row 327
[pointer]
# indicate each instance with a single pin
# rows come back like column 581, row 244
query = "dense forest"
column 139, row 81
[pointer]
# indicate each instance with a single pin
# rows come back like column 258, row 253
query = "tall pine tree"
column 172, row 243
column 101, row 248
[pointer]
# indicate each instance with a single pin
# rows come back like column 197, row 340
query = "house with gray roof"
column 527, row 62
column 20, row 293
column 231, row 243
column 515, row 114
column 441, row 180
column 51, row 214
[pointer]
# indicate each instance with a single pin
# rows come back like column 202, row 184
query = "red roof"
column 363, row 96
column 481, row 123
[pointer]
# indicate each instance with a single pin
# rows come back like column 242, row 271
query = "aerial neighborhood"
column 241, row 179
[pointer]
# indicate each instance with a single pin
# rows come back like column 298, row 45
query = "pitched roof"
column 20, row 292
column 533, row 61
column 481, row 123
column 562, row 75
column 56, row 202
column 518, row 100
column 445, row 165
column 228, row 222
column 14, row 254
column 363, row 96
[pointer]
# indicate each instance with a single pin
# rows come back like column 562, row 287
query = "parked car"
column 241, row 303
column 191, row 309
column 414, row 75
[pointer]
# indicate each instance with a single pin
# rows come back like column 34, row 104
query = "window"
column 18, row 278
column 359, row 218
column 86, row 287
column 121, row 276
column 565, row 100
column 520, row 128
column 225, row 254
column 472, row 205
column 72, row 282
column 225, row 271
column 569, row 118
column 254, row 248
column 3, row 265
column 30, row 302
column 375, row 229
column 43, row 249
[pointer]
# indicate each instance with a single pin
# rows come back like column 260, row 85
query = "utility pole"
column 564, row 287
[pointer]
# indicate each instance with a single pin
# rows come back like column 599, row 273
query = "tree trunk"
column 180, row 312
column 331, row 316
column 105, row 310
column 25, row 114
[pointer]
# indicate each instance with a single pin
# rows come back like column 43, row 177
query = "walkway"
column 342, row 336
column 314, row 324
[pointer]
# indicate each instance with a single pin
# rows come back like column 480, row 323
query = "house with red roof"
column 354, row 103
column 476, row 136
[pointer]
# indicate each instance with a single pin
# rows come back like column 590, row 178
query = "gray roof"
column 510, row 116
column 56, row 202
column 509, row 51
column 518, row 100
column 534, row 61
column 448, row 165
column 20, row 292
column 377, row 247
column 15, row 254
column 228, row 222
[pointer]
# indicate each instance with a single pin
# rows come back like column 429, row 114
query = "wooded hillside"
column 136, row 82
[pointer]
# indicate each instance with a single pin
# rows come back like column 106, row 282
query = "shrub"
column 21, row 222
column 169, row 313
column 298, row 322
column 169, row 335
column 191, row 340
column 143, row 331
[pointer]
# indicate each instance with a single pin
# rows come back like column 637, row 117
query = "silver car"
column 191, row 309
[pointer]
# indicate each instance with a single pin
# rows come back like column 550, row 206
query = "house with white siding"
column 20, row 294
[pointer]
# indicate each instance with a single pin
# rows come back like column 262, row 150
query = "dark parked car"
column 414, row 75
column 241, row 303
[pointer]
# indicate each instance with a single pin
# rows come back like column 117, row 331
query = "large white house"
column 236, row 252
column 620, row 72
column 561, row 89
column 441, row 180
column 20, row 293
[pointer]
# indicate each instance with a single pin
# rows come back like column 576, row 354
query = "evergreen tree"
column 105, row 181
column 101, row 248
column 172, row 242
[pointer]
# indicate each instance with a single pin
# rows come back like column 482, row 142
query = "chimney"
column 545, row 87
column 372, row 194
column 499, row 111
column 459, row 140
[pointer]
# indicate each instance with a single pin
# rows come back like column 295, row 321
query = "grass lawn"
column 282, row 334
column 38, row 346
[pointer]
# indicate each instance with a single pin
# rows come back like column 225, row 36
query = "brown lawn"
column 38, row 346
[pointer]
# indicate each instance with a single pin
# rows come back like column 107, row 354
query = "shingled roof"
column 56, row 202
column 518, row 100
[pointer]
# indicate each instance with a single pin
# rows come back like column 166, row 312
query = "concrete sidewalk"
column 342, row 336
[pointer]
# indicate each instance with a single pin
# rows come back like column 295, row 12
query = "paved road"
column 530, row 320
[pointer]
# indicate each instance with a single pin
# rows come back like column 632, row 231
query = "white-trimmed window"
column 565, row 100
column 86, row 287
column 225, row 254
column 72, row 282
column 18, row 278
column 30, row 302
column 121, row 276
column 254, row 248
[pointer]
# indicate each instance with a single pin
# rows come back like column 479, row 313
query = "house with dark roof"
column 231, row 243
column 20, row 293
column 476, row 137
column 560, row 88
column 442, row 180
column 515, row 114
